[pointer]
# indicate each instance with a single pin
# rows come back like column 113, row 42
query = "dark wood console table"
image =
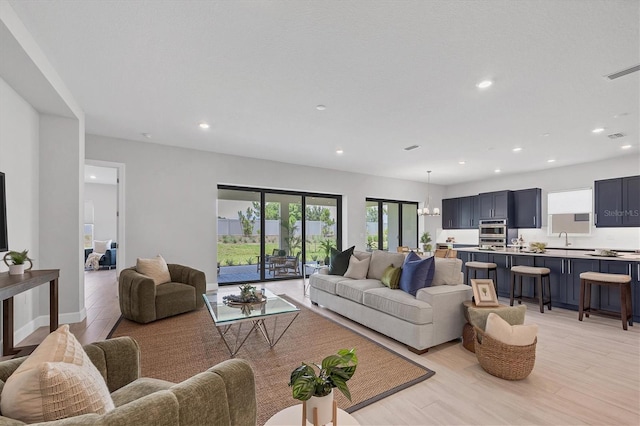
column 10, row 285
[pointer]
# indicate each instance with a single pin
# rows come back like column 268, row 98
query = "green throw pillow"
column 391, row 277
column 340, row 261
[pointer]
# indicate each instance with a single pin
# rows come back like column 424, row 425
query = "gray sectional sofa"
column 432, row 317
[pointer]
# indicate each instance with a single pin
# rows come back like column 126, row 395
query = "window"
column 268, row 234
column 570, row 211
column 391, row 224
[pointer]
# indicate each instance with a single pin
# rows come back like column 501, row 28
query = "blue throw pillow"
column 417, row 273
column 340, row 261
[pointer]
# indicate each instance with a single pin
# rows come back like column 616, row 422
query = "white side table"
column 292, row 416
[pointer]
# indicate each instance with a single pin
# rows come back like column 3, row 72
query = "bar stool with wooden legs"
column 539, row 275
column 481, row 266
column 598, row 278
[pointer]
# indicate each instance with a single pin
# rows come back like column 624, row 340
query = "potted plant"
column 326, row 247
column 316, row 390
column 18, row 259
column 425, row 239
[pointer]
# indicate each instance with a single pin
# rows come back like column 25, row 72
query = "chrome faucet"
column 566, row 238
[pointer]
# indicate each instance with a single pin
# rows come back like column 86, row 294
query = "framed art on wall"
column 484, row 293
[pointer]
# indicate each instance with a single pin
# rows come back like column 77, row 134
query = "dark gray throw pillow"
column 340, row 261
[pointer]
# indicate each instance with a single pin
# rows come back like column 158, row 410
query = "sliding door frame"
column 400, row 203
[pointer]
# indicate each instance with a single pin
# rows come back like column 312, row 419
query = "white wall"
column 19, row 128
column 171, row 195
column 105, row 205
column 557, row 179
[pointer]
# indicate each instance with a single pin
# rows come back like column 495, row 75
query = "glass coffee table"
column 231, row 320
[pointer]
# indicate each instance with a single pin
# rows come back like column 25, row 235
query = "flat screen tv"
column 4, row 243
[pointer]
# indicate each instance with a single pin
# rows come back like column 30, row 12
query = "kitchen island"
column 566, row 265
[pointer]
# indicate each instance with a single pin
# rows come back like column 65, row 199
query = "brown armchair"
column 142, row 301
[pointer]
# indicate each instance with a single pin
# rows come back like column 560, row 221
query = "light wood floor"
column 586, row 372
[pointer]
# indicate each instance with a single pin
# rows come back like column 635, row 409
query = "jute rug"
column 179, row 347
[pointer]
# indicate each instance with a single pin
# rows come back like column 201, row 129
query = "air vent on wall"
column 409, row 148
column 616, row 135
column 623, row 72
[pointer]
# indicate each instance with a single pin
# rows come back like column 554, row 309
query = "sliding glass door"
column 269, row 234
column 391, row 224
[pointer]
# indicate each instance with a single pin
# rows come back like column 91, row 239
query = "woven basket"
column 468, row 337
column 505, row 361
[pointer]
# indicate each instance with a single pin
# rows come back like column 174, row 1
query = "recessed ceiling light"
column 204, row 125
column 598, row 130
column 625, row 146
column 462, row 162
column 517, row 149
column 551, row 160
column 497, row 170
column 545, row 134
column 484, row 84
column 92, row 177
column 339, row 151
column 622, row 114
column 146, row 135
column 321, row 107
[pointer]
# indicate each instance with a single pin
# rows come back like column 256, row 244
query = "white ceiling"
column 391, row 74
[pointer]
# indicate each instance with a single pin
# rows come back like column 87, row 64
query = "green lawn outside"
column 243, row 253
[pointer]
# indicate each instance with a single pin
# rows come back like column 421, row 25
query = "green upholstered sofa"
column 142, row 301
column 222, row 395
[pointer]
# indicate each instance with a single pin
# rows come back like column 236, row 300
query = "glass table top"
column 223, row 314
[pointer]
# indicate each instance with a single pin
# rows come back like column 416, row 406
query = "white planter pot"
column 324, row 404
column 16, row 269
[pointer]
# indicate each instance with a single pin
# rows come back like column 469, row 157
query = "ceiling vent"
column 412, row 147
column 623, row 72
column 616, row 135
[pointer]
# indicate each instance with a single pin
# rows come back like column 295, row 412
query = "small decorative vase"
column 16, row 269
column 324, row 404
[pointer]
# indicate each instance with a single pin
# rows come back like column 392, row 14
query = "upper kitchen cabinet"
column 468, row 212
column 460, row 213
column 617, row 202
column 527, row 208
column 450, row 213
column 496, row 205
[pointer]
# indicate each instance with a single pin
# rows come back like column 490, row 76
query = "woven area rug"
column 179, row 347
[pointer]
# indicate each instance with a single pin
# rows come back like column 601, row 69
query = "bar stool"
column 598, row 278
column 538, row 275
column 482, row 266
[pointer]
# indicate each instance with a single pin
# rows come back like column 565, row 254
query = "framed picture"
column 484, row 293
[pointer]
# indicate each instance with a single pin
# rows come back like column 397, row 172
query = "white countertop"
column 571, row 254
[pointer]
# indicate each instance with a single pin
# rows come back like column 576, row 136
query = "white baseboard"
column 43, row 321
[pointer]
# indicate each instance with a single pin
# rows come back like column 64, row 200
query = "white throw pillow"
column 357, row 268
column 447, row 272
column 101, row 246
column 57, row 381
column 155, row 269
column 516, row 335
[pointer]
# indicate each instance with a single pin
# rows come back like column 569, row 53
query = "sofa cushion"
column 399, row 304
column 56, row 381
column 391, row 277
column 379, row 262
column 137, row 389
column 447, row 271
column 417, row 273
column 340, row 261
column 101, row 246
column 354, row 289
column 155, row 268
column 326, row 283
column 357, row 268
column 517, row 335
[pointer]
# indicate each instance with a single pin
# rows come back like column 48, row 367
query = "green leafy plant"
column 326, row 247
column 334, row 372
column 18, row 257
column 425, row 239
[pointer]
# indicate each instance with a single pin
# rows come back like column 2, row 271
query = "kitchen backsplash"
column 600, row 238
